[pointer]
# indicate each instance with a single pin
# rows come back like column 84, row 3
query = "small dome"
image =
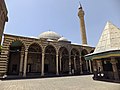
column 49, row 35
column 62, row 39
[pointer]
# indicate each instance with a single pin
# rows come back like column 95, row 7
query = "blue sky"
column 32, row 17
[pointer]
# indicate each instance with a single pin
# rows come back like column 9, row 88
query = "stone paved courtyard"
column 59, row 83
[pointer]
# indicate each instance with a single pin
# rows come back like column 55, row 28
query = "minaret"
column 82, row 25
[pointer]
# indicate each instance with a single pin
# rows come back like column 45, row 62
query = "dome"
column 49, row 35
column 62, row 39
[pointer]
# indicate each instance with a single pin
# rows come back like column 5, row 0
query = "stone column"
column 57, row 71
column 115, row 70
column 25, row 63
column 75, row 63
column 100, row 67
column 81, row 72
column 60, row 63
column 21, row 64
column 70, row 64
column 43, row 57
column 87, row 65
column 90, row 66
column 95, row 70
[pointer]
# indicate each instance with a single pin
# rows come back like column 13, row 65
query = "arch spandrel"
column 35, row 43
column 23, row 43
column 68, row 49
column 56, row 49
column 16, row 51
column 50, row 46
column 78, row 48
column 75, row 51
column 35, row 46
column 14, row 41
column 84, row 52
column 61, row 49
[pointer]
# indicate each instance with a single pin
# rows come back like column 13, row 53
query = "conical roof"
column 109, row 40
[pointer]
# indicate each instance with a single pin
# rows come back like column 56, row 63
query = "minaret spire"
column 80, row 5
column 82, row 24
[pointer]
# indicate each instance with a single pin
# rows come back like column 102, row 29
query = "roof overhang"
column 107, row 54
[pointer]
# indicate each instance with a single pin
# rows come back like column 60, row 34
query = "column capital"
column 113, row 60
column 74, row 57
column 90, row 66
column 22, row 55
column 43, row 53
column 26, row 50
column 43, row 49
column 25, row 63
column 99, row 61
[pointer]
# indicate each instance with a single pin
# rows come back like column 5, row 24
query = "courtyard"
column 58, row 83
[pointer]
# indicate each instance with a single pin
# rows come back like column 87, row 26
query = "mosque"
column 51, row 54
column 48, row 54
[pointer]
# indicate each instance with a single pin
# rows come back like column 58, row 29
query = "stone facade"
column 30, row 56
column 3, row 17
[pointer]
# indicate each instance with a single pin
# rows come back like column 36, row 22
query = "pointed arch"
column 34, row 59
column 63, row 60
column 84, row 52
column 17, row 40
column 50, row 60
column 84, row 62
column 35, row 48
column 16, row 49
column 75, row 61
column 50, row 50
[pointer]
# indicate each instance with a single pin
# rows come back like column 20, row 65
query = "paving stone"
column 59, row 83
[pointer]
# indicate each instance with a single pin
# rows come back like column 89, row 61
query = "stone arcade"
column 47, row 55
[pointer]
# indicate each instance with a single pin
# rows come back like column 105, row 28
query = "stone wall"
column 3, row 17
